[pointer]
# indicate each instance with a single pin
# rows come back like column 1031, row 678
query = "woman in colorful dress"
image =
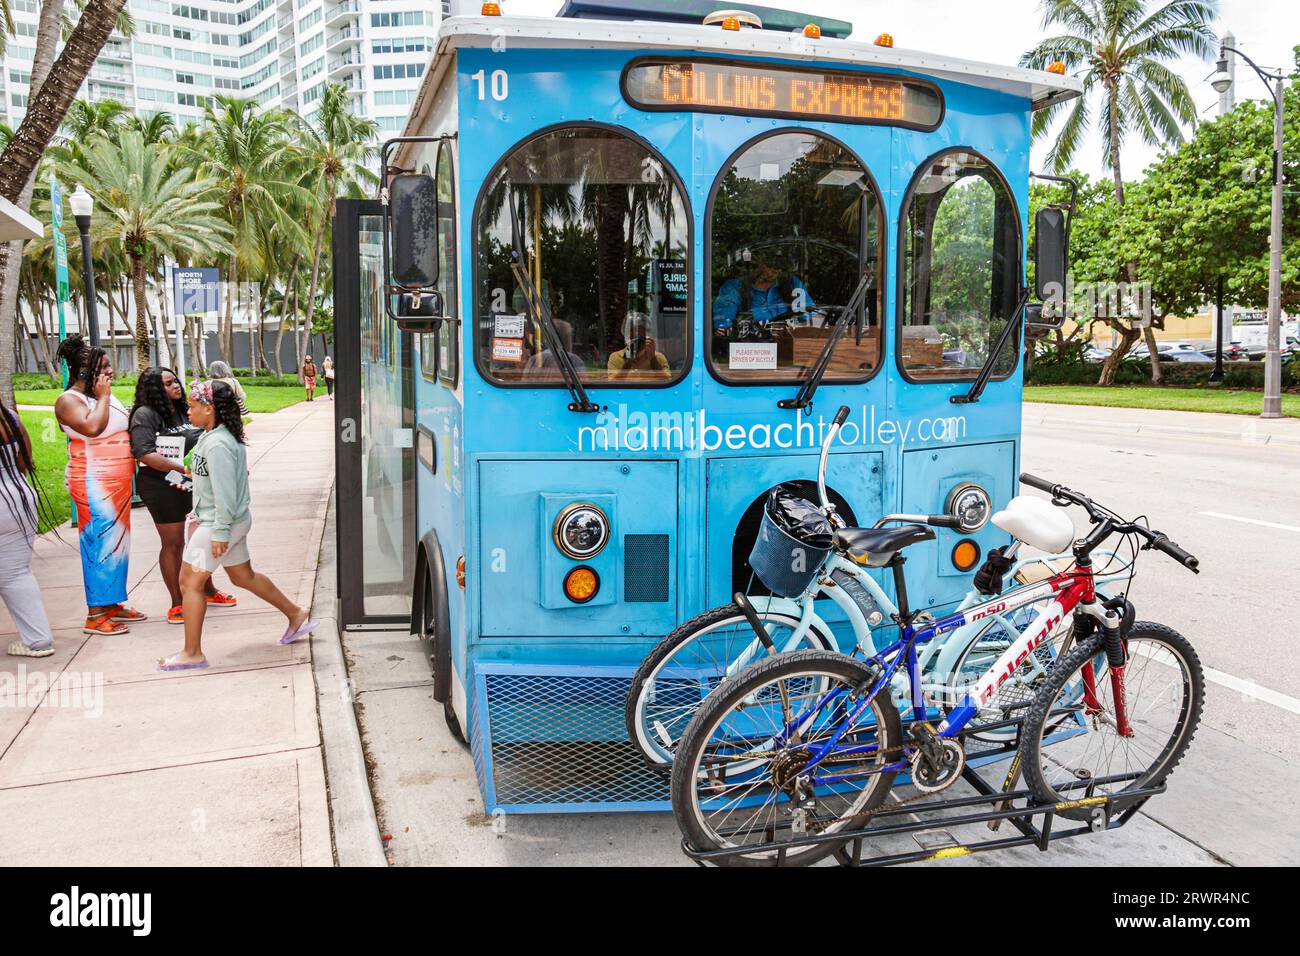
column 100, row 466
column 217, row 531
column 160, row 427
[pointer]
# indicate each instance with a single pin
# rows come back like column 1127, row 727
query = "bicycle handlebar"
column 1155, row 540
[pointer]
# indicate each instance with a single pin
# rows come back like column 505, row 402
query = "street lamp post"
column 83, row 204
column 1222, row 81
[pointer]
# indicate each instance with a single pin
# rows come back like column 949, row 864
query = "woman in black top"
column 162, row 482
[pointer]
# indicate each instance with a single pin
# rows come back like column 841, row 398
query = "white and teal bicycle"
column 688, row 664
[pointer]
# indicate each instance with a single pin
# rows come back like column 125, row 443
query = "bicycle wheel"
column 981, row 652
column 738, row 780
column 1164, row 690
column 684, row 668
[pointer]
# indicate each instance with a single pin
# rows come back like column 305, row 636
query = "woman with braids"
column 160, row 427
column 217, row 531
column 100, row 466
column 18, row 520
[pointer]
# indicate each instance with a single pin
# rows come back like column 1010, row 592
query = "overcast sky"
column 998, row 31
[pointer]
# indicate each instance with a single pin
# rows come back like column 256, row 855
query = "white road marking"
column 1247, row 688
column 1262, row 524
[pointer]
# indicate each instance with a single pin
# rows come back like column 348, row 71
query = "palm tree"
column 332, row 152
column 248, row 155
column 45, row 111
column 149, row 209
column 1121, row 48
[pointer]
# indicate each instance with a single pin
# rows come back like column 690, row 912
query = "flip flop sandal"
column 104, row 625
column 124, row 613
column 172, row 664
column 308, row 626
column 19, row 649
column 222, row 599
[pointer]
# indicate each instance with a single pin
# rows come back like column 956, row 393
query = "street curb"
column 1248, row 434
column 352, row 810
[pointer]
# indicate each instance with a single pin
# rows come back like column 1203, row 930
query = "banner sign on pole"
column 196, row 290
column 60, row 241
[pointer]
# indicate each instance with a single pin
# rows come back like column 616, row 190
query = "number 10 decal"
column 498, row 84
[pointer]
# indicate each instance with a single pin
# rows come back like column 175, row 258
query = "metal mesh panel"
column 645, row 568
column 560, row 739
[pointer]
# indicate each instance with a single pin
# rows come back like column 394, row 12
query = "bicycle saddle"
column 1036, row 522
column 876, row 547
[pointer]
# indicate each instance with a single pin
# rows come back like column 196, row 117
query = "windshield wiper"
column 981, row 380
column 541, row 313
column 804, row 397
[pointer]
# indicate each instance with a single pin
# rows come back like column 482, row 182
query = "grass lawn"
column 1168, row 397
column 50, row 449
column 261, row 398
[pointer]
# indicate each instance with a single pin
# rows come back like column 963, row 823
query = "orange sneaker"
column 222, row 599
column 123, row 613
column 176, row 615
column 104, row 625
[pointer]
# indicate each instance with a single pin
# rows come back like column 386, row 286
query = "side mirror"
column 1051, row 252
column 413, row 203
column 419, row 312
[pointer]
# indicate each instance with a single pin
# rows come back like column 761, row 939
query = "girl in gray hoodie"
column 217, row 530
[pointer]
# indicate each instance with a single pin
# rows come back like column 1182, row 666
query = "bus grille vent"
column 645, row 568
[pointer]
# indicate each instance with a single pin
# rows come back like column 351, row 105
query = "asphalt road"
column 1225, row 487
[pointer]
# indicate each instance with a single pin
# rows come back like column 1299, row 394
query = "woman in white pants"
column 19, row 507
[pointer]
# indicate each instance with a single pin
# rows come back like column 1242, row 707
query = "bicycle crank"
column 937, row 765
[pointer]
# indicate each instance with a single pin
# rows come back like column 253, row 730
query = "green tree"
column 1120, row 48
column 150, row 210
column 332, row 151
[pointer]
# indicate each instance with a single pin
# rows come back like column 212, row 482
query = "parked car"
column 1184, row 355
column 1233, row 352
column 1094, row 354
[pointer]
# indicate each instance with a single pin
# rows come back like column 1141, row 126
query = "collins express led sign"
column 721, row 86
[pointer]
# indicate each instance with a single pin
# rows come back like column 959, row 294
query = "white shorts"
column 198, row 545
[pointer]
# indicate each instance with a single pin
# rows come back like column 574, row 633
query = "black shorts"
column 166, row 503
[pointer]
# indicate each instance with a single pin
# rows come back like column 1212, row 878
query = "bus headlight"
column 581, row 530
column 970, row 505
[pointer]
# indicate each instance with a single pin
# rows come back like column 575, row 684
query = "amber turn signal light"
column 885, row 39
column 491, row 10
column 731, row 23
column 581, row 584
column 812, row 31
column 460, row 571
column 965, row 554
column 1057, row 67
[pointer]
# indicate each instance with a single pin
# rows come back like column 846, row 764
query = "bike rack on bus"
column 989, row 805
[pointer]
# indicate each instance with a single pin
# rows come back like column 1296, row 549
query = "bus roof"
column 1038, row 86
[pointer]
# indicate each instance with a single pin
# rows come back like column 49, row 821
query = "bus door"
column 374, row 417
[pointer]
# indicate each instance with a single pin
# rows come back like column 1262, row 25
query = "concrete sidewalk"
column 104, row 760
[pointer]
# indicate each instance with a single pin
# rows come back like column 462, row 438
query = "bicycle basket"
column 793, row 540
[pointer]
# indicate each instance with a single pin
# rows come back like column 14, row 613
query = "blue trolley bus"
column 625, row 267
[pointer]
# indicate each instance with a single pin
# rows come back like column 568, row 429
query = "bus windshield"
column 795, row 225
column 606, row 242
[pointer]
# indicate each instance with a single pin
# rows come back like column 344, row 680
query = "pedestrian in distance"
column 217, row 531
column 18, row 524
column 161, row 438
column 99, row 472
column 309, row 373
column 328, row 366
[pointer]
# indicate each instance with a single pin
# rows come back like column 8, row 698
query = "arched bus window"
column 961, row 269
column 606, row 243
column 795, row 224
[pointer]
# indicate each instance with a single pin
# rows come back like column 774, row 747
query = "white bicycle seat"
column 1037, row 523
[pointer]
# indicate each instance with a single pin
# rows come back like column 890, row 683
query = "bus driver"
column 763, row 291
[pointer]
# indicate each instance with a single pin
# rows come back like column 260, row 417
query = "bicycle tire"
column 667, row 648
column 1091, row 654
column 735, row 690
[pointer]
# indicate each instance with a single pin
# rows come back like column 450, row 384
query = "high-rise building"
column 278, row 52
